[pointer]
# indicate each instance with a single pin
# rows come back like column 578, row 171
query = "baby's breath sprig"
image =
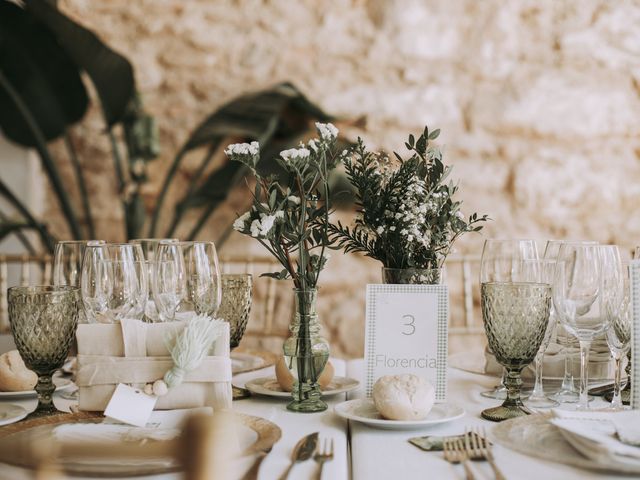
column 407, row 215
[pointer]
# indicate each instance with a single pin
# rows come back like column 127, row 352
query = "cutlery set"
column 472, row 446
column 310, row 447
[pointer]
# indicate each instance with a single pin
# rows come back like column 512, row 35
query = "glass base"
column 501, row 393
column 45, row 412
column 307, row 406
column 624, row 394
column 501, row 413
column 541, row 402
column 566, row 396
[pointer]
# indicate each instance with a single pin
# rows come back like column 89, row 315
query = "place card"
column 635, row 334
column 130, row 405
column 406, row 332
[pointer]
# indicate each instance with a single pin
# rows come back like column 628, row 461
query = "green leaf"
column 433, row 135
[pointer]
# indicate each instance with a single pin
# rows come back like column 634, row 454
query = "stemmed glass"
column 498, row 259
column 618, row 310
column 114, row 282
column 538, row 399
column 516, row 317
column 43, row 323
column 583, row 273
column 149, row 250
column 186, row 280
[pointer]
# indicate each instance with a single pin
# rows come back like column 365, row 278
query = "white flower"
column 459, row 215
column 392, row 228
column 279, row 214
column 295, row 154
column 313, row 145
column 255, row 228
column 267, row 222
column 240, row 222
column 327, row 131
column 380, row 230
column 252, row 148
column 294, row 199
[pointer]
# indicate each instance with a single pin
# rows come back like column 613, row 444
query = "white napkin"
column 594, row 434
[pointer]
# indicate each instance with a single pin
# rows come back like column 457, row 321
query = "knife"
column 302, row 451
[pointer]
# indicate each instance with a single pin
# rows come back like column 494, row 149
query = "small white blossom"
column 313, row 145
column 267, row 222
column 252, row 148
column 392, row 228
column 255, row 228
column 379, row 230
column 295, row 154
column 279, row 214
column 294, row 199
column 327, row 131
column 241, row 221
column 459, row 215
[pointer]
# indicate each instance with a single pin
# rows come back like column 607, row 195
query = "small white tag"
column 130, row 405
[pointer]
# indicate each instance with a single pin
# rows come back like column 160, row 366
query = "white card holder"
column 406, row 332
column 635, row 334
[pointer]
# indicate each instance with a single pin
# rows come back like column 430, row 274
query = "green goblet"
column 43, row 322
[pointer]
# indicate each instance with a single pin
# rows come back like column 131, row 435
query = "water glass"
column 43, row 322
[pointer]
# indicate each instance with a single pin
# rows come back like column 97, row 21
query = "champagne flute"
column 617, row 306
column 186, row 280
column 149, row 250
column 577, row 296
column 114, row 282
column 498, row 258
column 538, row 399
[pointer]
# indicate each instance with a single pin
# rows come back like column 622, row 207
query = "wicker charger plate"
column 534, row 436
column 20, row 445
column 248, row 360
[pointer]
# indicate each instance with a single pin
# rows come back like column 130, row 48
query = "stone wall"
column 538, row 102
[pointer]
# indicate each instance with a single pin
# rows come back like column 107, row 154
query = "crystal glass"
column 544, row 270
column 568, row 392
column 419, row 276
column 149, row 250
column 516, row 317
column 43, row 323
column 236, row 303
column 498, row 259
column 617, row 307
column 577, row 288
column 306, row 354
column 114, row 282
column 186, row 280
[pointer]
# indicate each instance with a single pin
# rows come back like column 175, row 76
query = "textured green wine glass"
column 515, row 318
column 236, row 304
column 43, row 322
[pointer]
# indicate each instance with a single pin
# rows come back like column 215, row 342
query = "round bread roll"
column 285, row 379
column 14, row 374
column 403, row 397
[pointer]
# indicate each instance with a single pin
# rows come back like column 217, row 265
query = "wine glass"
column 516, row 315
column 186, row 280
column 43, row 323
column 617, row 306
column 149, row 250
column 582, row 274
column 568, row 392
column 114, row 282
column 545, row 271
column 67, row 265
column 498, row 258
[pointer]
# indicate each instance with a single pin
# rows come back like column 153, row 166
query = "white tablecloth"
column 376, row 454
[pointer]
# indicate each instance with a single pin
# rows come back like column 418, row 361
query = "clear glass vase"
column 306, row 354
column 418, row 276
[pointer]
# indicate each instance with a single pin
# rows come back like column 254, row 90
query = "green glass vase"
column 306, row 354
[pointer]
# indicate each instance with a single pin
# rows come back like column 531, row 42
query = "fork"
column 454, row 452
column 479, row 447
column 323, row 454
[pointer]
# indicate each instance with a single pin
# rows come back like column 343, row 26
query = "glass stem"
column 45, row 389
column 538, row 388
column 585, row 345
column 513, row 382
column 567, row 379
column 616, row 401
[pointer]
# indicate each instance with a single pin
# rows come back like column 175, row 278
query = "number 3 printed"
column 410, row 324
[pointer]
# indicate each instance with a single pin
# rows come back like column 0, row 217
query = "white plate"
column 269, row 386
column 363, row 410
column 11, row 413
column 60, row 383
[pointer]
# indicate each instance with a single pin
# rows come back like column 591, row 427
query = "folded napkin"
column 596, row 435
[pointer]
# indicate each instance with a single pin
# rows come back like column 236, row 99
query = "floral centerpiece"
column 407, row 218
column 290, row 219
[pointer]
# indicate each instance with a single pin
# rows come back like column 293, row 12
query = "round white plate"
column 11, row 413
column 269, row 386
column 60, row 383
column 363, row 410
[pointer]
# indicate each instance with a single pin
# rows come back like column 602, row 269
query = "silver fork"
column 454, row 452
column 323, row 454
column 479, row 447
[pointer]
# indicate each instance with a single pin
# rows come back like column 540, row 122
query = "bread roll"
column 285, row 379
column 14, row 374
column 403, row 397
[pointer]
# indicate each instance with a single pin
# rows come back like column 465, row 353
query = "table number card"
column 406, row 332
column 635, row 334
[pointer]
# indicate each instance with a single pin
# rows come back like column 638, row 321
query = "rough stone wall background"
column 538, row 102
